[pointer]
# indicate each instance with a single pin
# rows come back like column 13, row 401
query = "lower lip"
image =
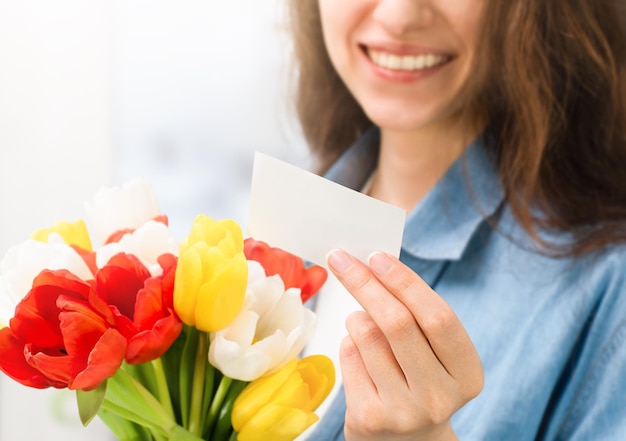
column 404, row 76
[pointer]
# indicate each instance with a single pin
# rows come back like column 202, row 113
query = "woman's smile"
column 405, row 63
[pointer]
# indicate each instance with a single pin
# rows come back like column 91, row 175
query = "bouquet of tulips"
column 164, row 341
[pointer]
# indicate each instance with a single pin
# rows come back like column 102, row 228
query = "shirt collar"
column 444, row 222
column 356, row 165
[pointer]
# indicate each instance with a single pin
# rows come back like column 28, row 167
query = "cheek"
column 332, row 27
column 340, row 25
column 466, row 19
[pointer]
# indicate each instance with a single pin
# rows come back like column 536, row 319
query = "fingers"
column 356, row 377
column 368, row 344
column 410, row 348
column 445, row 333
column 422, row 330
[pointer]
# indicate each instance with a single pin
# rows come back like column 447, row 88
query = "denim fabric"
column 551, row 332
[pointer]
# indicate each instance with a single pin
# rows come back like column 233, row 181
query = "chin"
column 398, row 121
column 411, row 118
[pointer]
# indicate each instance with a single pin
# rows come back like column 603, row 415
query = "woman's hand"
column 407, row 363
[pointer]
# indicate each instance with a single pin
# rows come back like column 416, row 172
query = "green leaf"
column 129, row 399
column 132, row 416
column 123, row 429
column 142, row 373
column 89, row 402
column 180, row 434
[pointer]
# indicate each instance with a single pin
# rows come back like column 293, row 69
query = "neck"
column 411, row 162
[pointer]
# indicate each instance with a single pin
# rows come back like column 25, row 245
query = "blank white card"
column 308, row 215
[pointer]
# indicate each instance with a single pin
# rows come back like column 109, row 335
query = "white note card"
column 308, row 215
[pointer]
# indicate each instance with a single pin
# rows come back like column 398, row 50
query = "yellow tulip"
column 280, row 406
column 71, row 233
column 211, row 275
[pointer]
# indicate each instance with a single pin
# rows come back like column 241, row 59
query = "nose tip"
column 401, row 17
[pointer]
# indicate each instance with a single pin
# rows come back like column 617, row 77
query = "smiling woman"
column 500, row 128
column 367, row 46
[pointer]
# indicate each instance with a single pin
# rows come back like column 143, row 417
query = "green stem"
column 223, row 427
column 162, row 387
column 216, row 404
column 209, row 380
column 233, row 436
column 197, row 387
column 185, row 372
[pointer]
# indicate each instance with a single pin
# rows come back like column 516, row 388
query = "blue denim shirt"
column 551, row 332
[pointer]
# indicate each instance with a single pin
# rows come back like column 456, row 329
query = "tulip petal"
column 316, row 276
column 222, row 298
column 104, row 360
column 36, row 318
column 147, row 243
column 211, row 276
column 188, row 279
column 318, row 372
column 235, row 353
column 80, row 326
column 283, row 327
column 118, row 282
column 152, row 343
column 283, row 423
column 72, row 234
column 13, row 363
column 282, row 404
column 259, row 393
column 149, row 305
column 22, row 264
column 56, row 367
column 117, row 208
column 289, row 267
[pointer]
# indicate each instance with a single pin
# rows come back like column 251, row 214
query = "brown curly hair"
column 552, row 86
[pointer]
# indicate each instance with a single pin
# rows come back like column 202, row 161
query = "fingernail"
column 339, row 261
column 379, row 262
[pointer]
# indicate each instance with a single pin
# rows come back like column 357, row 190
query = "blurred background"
column 96, row 92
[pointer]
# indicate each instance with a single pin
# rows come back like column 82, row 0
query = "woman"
column 500, row 126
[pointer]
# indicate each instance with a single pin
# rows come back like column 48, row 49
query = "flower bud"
column 212, row 274
column 282, row 404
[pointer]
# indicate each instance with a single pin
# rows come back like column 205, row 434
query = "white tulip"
column 23, row 262
column 147, row 243
column 272, row 329
column 116, row 208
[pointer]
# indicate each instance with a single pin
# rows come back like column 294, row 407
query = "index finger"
column 411, row 350
column 434, row 317
column 441, row 326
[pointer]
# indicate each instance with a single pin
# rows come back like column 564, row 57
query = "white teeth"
column 405, row 62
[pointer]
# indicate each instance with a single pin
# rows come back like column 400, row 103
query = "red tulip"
column 142, row 305
column 70, row 333
column 61, row 340
column 289, row 266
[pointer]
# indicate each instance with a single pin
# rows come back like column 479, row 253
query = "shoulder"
column 601, row 267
